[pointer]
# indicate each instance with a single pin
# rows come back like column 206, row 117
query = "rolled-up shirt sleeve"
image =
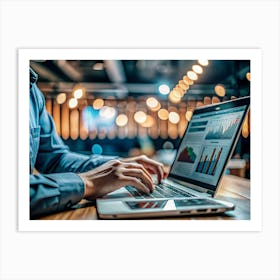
column 58, row 186
column 54, row 192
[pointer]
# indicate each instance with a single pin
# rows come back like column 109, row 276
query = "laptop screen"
column 208, row 142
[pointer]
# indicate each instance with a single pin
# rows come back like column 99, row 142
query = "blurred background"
column 131, row 107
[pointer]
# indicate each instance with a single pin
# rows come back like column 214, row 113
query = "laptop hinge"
column 210, row 192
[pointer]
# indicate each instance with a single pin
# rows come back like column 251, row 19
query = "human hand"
column 152, row 166
column 115, row 174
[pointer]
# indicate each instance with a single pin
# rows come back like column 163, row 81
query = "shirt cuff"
column 71, row 188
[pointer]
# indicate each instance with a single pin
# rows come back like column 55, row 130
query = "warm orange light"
column 156, row 108
column 98, row 103
column 197, row 69
column 107, row 112
column 151, row 102
column 179, row 91
column 220, row 90
column 245, row 128
column 207, row 100
column 61, row 98
column 215, row 99
column 189, row 115
column 163, row 114
column 140, row 117
column 175, row 96
column 78, row 93
column 187, row 80
column 149, row 122
column 121, row 120
column 174, row 117
column 203, row 62
column 192, row 75
column 74, row 124
column 98, row 66
column 183, row 85
column 248, row 76
column 73, row 102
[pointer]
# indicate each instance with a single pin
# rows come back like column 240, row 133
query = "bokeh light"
column 107, row 112
column 197, row 69
column 183, row 85
column 163, row 114
column 192, row 75
column 164, row 89
column 73, row 102
column 98, row 103
column 174, row 117
column 203, row 62
column 78, row 93
column 215, row 100
column 179, row 90
column 152, row 103
column 157, row 107
column 61, row 98
column 220, row 90
column 207, row 100
column 189, row 115
column 140, row 117
column 121, row 120
column 187, row 80
column 175, row 96
column 149, row 122
column 97, row 149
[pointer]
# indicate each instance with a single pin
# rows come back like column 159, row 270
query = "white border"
column 254, row 224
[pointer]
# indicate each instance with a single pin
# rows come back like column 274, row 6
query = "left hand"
column 150, row 165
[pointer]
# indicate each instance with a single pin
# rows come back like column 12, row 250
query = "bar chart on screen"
column 209, row 160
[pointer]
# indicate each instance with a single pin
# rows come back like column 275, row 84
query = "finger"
column 137, row 166
column 139, row 174
column 154, row 170
column 134, row 182
column 154, row 166
column 106, row 166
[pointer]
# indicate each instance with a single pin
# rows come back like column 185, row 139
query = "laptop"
column 196, row 173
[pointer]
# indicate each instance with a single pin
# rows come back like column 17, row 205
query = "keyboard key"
column 161, row 191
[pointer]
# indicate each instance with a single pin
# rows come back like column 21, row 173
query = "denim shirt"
column 57, row 187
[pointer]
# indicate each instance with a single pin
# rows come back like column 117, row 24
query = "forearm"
column 66, row 161
column 54, row 192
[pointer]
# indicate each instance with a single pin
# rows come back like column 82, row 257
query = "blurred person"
column 64, row 178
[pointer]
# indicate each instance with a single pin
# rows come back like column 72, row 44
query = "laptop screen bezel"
column 209, row 188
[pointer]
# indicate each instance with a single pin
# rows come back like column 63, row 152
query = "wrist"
column 88, row 186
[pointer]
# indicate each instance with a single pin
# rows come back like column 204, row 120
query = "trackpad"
column 171, row 204
column 158, row 204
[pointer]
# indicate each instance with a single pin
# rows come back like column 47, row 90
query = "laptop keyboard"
column 162, row 190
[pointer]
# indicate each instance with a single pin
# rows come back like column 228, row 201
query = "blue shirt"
column 57, row 187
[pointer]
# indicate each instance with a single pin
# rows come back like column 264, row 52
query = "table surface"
column 233, row 189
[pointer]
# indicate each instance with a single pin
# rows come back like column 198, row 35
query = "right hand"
column 113, row 175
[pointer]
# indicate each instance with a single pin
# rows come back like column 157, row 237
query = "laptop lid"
column 208, row 144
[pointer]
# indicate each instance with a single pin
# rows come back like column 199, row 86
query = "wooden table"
column 233, row 189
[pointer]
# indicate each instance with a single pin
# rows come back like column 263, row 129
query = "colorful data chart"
column 223, row 129
column 209, row 160
column 187, row 155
